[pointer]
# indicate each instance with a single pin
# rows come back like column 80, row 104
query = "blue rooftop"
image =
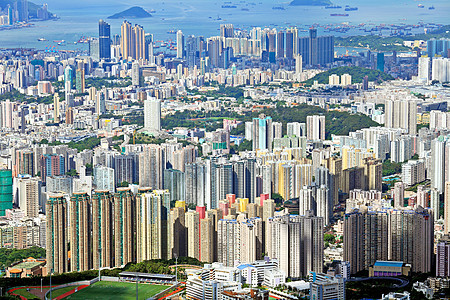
column 243, row 266
column 397, row 264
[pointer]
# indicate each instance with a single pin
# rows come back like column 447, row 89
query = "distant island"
column 134, row 12
column 310, row 3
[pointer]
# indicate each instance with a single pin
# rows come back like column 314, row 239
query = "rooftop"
column 397, row 264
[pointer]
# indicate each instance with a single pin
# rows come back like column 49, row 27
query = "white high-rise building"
column 441, row 69
column 297, row 129
column 315, row 126
column 298, row 65
column 180, row 44
column 333, row 79
column 447, row 208
column 401, row 114
column 346, row 79
column 399, row 194
column 423, row 74
column 104, row 178
column 297, row 243
column 152, row 115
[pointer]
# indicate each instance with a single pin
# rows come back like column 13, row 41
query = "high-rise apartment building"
column 389, row 234
column 102, row 229
column 401, row 114
column 56, row 234
column 80, row 227
column 124, row 227
column 315, row 126
column 193, row 236
column 6, row 192
column 153, row 213
column 132, row 41
column 152, row 115
column 29, row 190
column 297, row 243
column 151, row 167
column 316, row 50
column 262, row 133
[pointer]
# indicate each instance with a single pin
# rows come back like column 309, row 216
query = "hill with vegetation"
column 337, row 123
column 357, row 74
column 135, row 12
column 310, row 3
column 389, row 43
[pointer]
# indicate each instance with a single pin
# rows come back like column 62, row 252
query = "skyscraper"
column 316, row 50
column 401, row 114
column 29, row 195
column 297, row 243
column 180, row 44
column 80, row 232
column 102, row 229
column 132, row 41
column 153, row 213
column 262, row 136
column 124, row 227
column 151, row 167
column 136, row 74
column 104, row 39
column 380, row 62
column 152, row 115
column 56, row 234
column 315, row 126
column 280, row 44
column 6, row 194
column 80, row 81
column 397, row 234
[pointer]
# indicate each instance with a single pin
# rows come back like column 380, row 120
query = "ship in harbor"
column 333, row 7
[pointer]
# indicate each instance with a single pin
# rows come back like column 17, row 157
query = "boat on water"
column 351, row 8
column 333, row 7
column 229, row 6
column 420, row 6
column 41, row 39
column 431, row 7
column 339, row 15
column 278, row 8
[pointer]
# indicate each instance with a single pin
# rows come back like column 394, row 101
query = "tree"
column 72, row 172
column 277, row 198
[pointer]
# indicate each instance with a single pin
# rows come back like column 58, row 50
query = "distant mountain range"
column 134, row 12
column 310, row 3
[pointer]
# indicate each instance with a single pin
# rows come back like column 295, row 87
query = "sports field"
column 116, row 291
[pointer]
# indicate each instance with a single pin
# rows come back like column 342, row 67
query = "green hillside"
column 357, row 74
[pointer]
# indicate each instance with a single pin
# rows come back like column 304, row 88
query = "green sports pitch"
column 117, row 291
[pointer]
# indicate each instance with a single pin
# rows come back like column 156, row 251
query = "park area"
column 116, row 291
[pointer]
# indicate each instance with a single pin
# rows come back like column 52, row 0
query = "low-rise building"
column 27, row 268
column 389, row 268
